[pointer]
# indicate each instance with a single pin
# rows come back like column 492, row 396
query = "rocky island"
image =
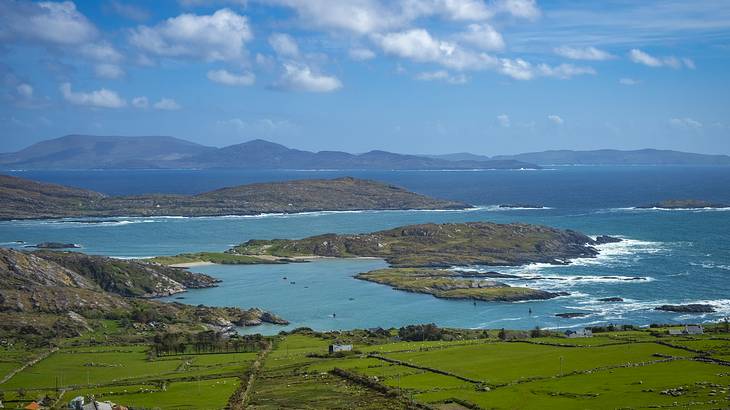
column 683, row 204
column 25, row 199
column 414, row 251
column 438, row 245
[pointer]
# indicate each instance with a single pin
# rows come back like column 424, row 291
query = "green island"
column 449, row 284
column 26, row 199
column 413, row 367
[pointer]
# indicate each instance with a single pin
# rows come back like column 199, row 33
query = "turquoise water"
column 667, row 257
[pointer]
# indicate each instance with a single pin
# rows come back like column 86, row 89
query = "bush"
column 425, row 332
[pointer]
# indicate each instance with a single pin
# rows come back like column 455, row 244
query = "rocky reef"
column 688, row 308
column 683, row 204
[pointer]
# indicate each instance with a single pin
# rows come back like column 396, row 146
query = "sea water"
column 679, row 256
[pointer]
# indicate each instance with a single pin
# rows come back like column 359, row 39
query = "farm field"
column 622, row 369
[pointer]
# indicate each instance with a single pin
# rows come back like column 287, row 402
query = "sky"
column 415, row 76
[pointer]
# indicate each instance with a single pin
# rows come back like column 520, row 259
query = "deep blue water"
column 679, row 256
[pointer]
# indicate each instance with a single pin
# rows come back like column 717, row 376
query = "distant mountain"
column 90, row 151
column 617, row 157
column 99, row 152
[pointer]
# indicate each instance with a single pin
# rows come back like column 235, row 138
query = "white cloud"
column 628, row 81
column 641, row 57
column 526, row 9
column 102, row 98
column 585, row 53
column 361, row 54
column 299, row 77
column 504, row 121
column 284, row 45
column 555, row 119
column 685, row 123
column 418, row 45
column 362, row 17
column 365, row 17
column 101, row 51
column 54, row 23
column 111, row 71
column 442, row 75
column 221, row 36
column 140, row 102
column 518, row 69
column 483, row 36
column 167, row 104
column 227, row 78
column 564, row 71
column 25, row 91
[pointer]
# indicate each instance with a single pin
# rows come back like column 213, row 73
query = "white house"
column 579, row 333
column 340, row 348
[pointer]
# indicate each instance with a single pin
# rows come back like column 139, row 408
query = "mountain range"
column 103, row 152
column 161, row 152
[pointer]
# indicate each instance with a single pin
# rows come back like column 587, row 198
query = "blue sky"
column 417, row 76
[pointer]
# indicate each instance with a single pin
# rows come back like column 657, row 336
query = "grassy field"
column 621, row 369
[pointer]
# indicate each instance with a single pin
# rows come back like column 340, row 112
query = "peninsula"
column 25, row 199
column 49, row 294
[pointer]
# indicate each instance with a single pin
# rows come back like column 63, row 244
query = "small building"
column 334, row 348
column 98, row 405
column 32, row 406
column 688, row 330
column 579, row 333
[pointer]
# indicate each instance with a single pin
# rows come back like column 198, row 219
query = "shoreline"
column 294, row 259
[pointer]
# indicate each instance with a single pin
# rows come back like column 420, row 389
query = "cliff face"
column 25, row 199
column 127, row 277
column 29, row 283
column 434, row 245
column 44, row 288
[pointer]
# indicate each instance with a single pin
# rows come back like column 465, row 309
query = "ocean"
column 677, row 256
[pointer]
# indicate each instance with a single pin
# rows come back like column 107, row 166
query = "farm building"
column 688, row 330
column 334, row 348
column 579, row 333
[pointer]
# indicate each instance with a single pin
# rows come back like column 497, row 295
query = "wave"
column 497, row 208
column 710, row 265
column 99, row 223
column 656, row 209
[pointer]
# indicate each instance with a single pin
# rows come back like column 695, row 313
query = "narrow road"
column 243, row 394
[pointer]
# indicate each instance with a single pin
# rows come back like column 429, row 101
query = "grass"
column 203, row 394
column 626, row 369
column 498, row 363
